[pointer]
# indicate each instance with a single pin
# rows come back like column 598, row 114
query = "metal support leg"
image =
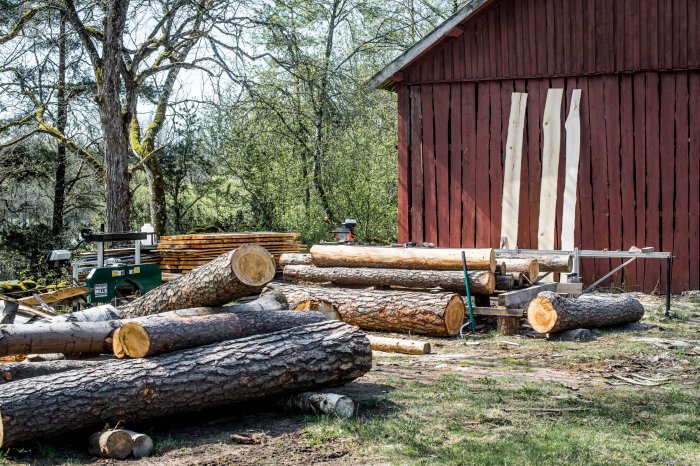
column 137, row 252
column 100, row 254
column 668, row 287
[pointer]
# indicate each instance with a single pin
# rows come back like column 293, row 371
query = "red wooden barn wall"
column 639, row 172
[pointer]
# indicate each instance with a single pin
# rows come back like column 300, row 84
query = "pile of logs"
column 179, row 349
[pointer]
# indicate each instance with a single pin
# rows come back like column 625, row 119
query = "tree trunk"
column 9, row 311
column 151, row 336
column 402, row 258
column 438, row 314
column 295, row 259
column 12, row 371
column 156, row 188
column 233, row 275
column 189, row 381
column 59, row 197
column 320, row 403
column 479, row 281
column 505, row 282
column 552, row 313
column 547, row 262
column 529, row 267
column 398, row 345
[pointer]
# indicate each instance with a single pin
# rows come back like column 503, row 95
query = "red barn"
column 637, row 63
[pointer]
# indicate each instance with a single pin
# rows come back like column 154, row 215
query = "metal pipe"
column 137, row 252
column 100, row 254
column 668, row 287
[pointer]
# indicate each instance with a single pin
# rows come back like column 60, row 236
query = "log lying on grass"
column 398, row 345
column 402, row 258
column 552, row 313
column 480, row 281
column 562, row 263
column 142, row 445
column 437, row 314
column 148, row 337
column 13, row 371
column 111, row 443
column 230, row 276
column 529, row 267
column 295, row 360
column 319, row 403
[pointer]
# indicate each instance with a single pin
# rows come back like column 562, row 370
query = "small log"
column 149, row 337
column 508, row 325
column 552, row 313
column 295, row 259
column 142, row 444
column 398, row 345
column 290, row 361
column 12, row 371
column 505, row 282
column 233, row 275
column 111, row 443
column 402, row 258
column 437, row 314
column 65, row 338
column 320, row 403
column 562, row 263
column 528, row 266
column 479, row 281
column 9, row 311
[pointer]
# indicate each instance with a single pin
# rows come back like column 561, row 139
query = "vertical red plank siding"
column 551, row 39
column 533, row 44
column 667, row 161
column 469, row 150
column 693, row 32
column 430, row 206
column 680, row 230
column 516, row 22
column 539, row 36
column 560, row 83
column 612, row 149
column 495, row 166
column 455, row 166
column 627, row 177
column 694, row 177
column 666, row 51
column 534, row 117
column 645, row 37
column 483, row 227
column 652, row 269
column 585, row 200
column 404, row 166
column 653, row 28
column 441, row 100
column 559, row 37
column 640, row 173
column 416, row 166
column 524, row 207
column 632, row 39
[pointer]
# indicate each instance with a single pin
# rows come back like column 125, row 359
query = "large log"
column 562, row 263
column 402, row 258
column 552, row 313
column 13, row 371
column 529, row 267
column 480, row 281
column 149, row 337
column 238, row 273
column 438, row 314
column 189, row 381
column 66, row 338
column 295, row 259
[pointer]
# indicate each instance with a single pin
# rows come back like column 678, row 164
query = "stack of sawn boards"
column 182, row 253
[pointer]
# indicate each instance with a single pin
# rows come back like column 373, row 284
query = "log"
column 529, row 267
column 320, row 403
column 402, row 258
column 111, row 443
column 295, row 360
column 149, row 337
column 94, row 314
column 562, row 263
column 552, row 313
column 398, row 345
column 437, row 314
column 12, row 371
column 505, row 282
column 142, row 444
column 508, row 325
column 479, row 281
column 65, row 338
column 9, row 311
column 295, row 259
column 233, row 275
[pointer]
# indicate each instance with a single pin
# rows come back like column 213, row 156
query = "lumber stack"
column 182, row 253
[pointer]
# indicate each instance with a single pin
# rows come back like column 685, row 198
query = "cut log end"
column 345, row 407
column 134, row 341
column 454, row 315
column 541, row 314
column 115, row 444
column 326, row 308
column 253, row 265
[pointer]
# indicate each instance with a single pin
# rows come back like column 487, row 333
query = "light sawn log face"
column 402, row 258
column 295, row 360
column 552, row 313
column 480, row 281
column 437, row 314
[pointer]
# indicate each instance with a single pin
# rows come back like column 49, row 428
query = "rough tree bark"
column 552, row 313
column 148, row 337
column 295, row 360
column 59, row 197
column 402, row 258
column 233, row 275
column 12, row 371
column 295, row 259
column 438, row 314
column 480, row 281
